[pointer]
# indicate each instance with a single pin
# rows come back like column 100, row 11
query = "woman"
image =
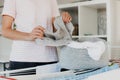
column 31, row 17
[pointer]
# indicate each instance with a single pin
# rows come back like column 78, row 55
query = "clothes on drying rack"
column 81, row 76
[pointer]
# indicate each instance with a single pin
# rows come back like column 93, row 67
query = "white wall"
column 5, row 48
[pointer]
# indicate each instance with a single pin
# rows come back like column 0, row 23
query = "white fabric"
column 29, row 14
column 95, row 49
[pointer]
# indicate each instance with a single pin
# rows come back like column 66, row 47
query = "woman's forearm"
column 8, row 32
column 15, row 35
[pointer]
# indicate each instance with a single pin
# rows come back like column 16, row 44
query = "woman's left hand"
column 66, row 17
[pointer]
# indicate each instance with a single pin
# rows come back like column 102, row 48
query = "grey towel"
column 61, row 37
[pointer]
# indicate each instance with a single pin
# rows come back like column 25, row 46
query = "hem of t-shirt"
column 8, row 14
column 38, row 60
column 34, row 61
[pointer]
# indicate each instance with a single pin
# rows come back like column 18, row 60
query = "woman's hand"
column 66, row 17
column 37, row 32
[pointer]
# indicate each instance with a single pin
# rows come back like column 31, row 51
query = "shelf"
column 75, row 36
column 68, row 5
column 115, row 46
column 100, row 36
column 93, row 4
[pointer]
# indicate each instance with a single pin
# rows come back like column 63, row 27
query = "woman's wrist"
column 29, row 37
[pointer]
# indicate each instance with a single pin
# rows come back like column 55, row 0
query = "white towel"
column 95, row 49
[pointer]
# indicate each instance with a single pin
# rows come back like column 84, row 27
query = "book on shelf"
column 75, row 32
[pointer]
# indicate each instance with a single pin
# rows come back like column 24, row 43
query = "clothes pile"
column 84, row 53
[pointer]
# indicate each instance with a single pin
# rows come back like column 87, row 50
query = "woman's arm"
column 8, row 32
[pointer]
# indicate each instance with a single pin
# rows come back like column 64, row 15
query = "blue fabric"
column 104, row 69
column 85, row 75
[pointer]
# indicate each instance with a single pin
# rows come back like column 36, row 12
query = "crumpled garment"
column 62, row 36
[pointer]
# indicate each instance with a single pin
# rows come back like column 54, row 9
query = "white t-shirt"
column 29, row 14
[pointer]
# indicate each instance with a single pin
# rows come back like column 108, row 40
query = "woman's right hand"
column 37, row 32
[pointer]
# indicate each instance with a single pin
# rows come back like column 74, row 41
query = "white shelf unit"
column 85, row 15
column 94, row 16
column 115, row 30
